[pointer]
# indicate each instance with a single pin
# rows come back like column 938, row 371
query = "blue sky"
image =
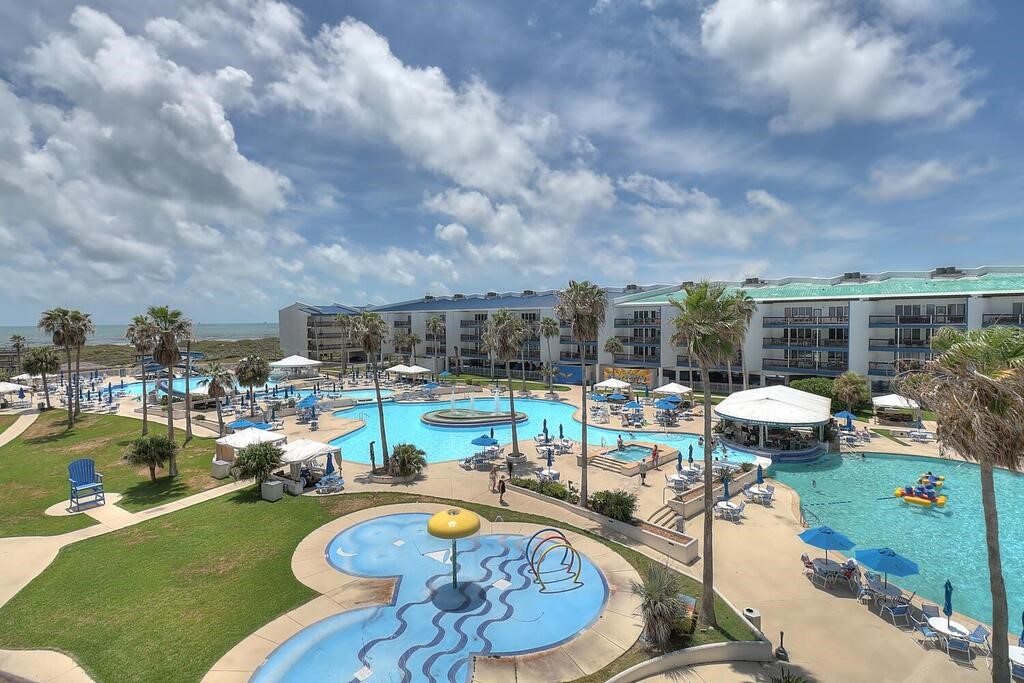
column 231, row 157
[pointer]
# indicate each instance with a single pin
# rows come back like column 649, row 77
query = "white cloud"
column 930, row 11
column 173, row 33
column 826, row 65
column 894, row 179
column 654, row 189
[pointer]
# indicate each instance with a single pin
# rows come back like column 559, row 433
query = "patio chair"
column 961, row 645
column 929, row 610
column 85, row 480
column 825, row 578
column 735, row 515
column 979, row 638
column 927, row 634
column 896, row 611
column 808, row 565
column 1017, row 670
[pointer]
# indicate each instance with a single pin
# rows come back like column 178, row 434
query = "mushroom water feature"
column 453, row 523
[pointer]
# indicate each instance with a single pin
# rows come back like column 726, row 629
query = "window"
column 1018, row 308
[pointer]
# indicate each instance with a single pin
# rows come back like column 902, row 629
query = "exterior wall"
column 860, row 312
column 291, row 322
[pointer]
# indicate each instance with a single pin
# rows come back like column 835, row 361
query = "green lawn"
column 6, row 421
column 517, row 384
column 887, row 433
column 34, row 474
column 165, row 599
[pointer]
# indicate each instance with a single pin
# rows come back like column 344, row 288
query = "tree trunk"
column 145, row 402
column 152, row 472
column 707, row 604
column 743, row 369
column 583, row 439
column 551, row 366
column 220, row 417
column 252, row 401
column 72, row 390
column 172, row 467
column 512, row 409
column 690, row 370
column 380, row 416
column 46, row 390
column 1000, row 652
column 728, row 369
column 78, row 374
column 188, row 390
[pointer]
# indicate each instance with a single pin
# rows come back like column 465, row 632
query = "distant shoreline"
column 114, row 334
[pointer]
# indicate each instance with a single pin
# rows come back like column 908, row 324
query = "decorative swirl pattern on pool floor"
column 431, row 629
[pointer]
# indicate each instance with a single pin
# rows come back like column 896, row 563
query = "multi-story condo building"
column 870, row 323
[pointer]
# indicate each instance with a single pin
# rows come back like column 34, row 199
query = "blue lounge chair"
column 979, row 638
column 929, row 610
column 927, row 634
column 894, row 611
column 961, row 645
column 84, row 480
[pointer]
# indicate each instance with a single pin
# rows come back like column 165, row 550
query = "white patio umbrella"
column 416, row 370
column 673, row 388
column 612, row 383
column 11, row 388
column 401, row 368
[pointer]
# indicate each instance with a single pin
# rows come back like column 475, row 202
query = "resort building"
column 870, row 323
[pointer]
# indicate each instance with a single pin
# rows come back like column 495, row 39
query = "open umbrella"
column 663, row 404
column 848, row 416
column 673, row 398
column 598, row 398
column 617, row 397
column 827, row 539
column 887, row 561
column 760, row 475
column 633, row 405
column 947, row 605
column 484, row 440
column 430, row 386
column 444, row 373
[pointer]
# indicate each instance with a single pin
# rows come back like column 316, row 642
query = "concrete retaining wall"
column 684, row 550
column 742, row 651
column 692, row 506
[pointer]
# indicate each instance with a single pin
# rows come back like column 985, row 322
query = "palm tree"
column 746, row 307
column 412, row 340
column 18, row 344
column 343, row 322
column 975, row 386
column 57, row 323
column 171, row 325
column 151, row 451
column 188, row 383
column 851, row 390
column 712, row 323
column 42, row 361
column 371, row 332
column 142, row 335
column 219, row 383
column 614, row 345
column 252, row 372
column 582, row 305
column 435, row 328
column 660, row 606
column 548, row 328
column 81, row 327
column 504, row 337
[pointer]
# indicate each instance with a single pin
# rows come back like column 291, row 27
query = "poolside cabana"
column 228, row 446
column 308, row 461
column 399, row 369
column 674, row 389
column 612, row 385
column 297, row 366
column 783, row 421
column 893, row 408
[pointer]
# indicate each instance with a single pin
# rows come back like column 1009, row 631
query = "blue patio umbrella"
column 690, row 459
column 725, row 486
column 430, row 386
column 266, row 388
column 887, row 561
column 551, row 457
column 663, row 404
column 616, row 397
column 848, row 416
column 88, row 394
column 544, row 428
column 484, row 440
column 947, row 606
column 275, row 392
column 633, row 405
column 122, row 384
column 760, row 474
column 444, row 373
column 598, row 398
column 561, row 434
column 241, row 424
column 679, row 460
column 674, row 398
column 827, row 539
column 307, row 402
column 330, row 464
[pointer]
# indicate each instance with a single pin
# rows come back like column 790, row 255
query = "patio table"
column 549, row 474
column 1017, row 654
column 889, row 591
column 950, row 628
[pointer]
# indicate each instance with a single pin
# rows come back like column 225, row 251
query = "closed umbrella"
column 21, row 393
column 725, row 486
column 122, row 384
column 827, row 539
column 484, row 440
column 760, row 474
column 545, row 427
column 887, row 561
column 679, row 460
column 690, row 459
column 561, row 434
column 492, row 434
column 551, row 457
column 947, row 605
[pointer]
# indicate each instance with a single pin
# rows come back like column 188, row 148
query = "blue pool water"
column 855, row 496
column 453, row 443
column 430, row 630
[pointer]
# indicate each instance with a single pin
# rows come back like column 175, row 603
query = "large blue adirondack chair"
column 85, row 481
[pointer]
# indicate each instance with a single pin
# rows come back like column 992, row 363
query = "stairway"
column 603, row 463
column 664, row 517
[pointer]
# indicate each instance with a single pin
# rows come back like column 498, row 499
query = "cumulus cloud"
column 826, row 65
column 895, row 179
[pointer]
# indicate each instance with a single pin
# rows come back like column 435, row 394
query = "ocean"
column 114, row 334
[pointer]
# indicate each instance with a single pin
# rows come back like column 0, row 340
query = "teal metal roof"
column 990, row 283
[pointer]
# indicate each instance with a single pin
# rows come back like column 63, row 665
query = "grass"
column 34, row 474
column 163, row 604
column 887, row 433
column 118, row 356
column 698, row 398
column 6, row 421
column 517, row 384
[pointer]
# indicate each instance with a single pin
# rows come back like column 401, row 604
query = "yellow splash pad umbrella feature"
column 453, row 523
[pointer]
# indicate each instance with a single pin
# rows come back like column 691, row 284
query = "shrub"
column 746, row 466
column 822, row 386
column 661, row 608
column 152, row 451
column 551, row 489
column 616, row 504
column 257, row 461
column 406, row 460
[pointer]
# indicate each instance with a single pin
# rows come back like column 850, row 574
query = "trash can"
column 272, row 490
column 221, row 469
column 753, row 616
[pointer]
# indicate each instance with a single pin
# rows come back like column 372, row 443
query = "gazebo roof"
column 250, row 436
column 302, row 450
column 295, row 362
column 778, row 405
column 894, row 401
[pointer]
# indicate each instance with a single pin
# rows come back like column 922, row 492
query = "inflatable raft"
column 919, row 495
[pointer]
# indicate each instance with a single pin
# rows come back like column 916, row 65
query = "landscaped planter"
column 388, row 479
column 692, row 503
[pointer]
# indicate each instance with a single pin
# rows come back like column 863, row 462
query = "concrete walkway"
column 23, row 422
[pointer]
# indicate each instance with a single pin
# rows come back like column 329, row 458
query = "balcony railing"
column 638, row 322
column 572, row 356
column 918, row 320
column 804, row 343
column 469, row 337
column 472, row 323
column 685, row 362
column 473, row 353
column 568, row 339
column 403, row 323
column 1015, row 319
column 633, row 359
column 640, row 341
column 801, row 320
column 435, row 337
column 804, row 364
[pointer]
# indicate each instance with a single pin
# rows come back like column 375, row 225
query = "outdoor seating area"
column 776, row 419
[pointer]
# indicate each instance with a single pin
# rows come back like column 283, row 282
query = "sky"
column 230, row 157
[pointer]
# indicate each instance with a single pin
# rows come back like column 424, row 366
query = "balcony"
column 639, row 341
column 806, row 321
column 790, row 343
column 806, row 366
column 637, row 322
column 1010, row 319
column 403, row 324
column 435, row 337
column 685, row 362
column 568, row 339
column 464, row 324
column 900, row 345
column 439, row 352
column 635, row 360
column 916, row 320
column 473, row 353
column 574, row 357
column 469, row 337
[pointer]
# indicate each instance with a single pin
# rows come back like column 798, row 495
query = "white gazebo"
column 895, row 408
column 612, row 383
column 228, row 446
column 400, row 369
column 11, row 388
column 297, row 366
column 317, row 456
column 673, row 388
column 417, row 370
column 768, row 417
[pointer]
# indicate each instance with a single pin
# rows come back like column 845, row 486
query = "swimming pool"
column 430, row 629
column 364, row 394
column 196, row 384
column 452, row 443
column 631, row 453
column 855, row 496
